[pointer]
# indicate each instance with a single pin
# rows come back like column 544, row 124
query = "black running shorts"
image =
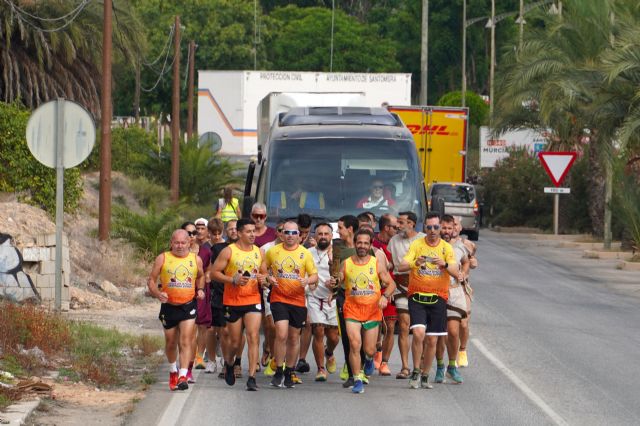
column 234, row 313
column 432, row 316
column 296, row 315
column 171, row 315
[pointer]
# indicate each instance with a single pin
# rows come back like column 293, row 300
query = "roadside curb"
column 628, row 266
column 17, row 414
column 599, row 254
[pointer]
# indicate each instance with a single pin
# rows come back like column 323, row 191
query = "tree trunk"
column 596, row 189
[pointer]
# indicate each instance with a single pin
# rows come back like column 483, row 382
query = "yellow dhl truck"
column 440, row 134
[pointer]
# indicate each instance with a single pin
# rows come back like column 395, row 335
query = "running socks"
column 440, row 362
column 173, row 367
column 452, row 363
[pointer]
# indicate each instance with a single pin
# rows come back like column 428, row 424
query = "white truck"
column 228, row 100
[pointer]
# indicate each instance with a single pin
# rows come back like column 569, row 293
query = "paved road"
column 555, row 340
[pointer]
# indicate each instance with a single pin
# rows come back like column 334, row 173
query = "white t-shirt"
column 321, row 259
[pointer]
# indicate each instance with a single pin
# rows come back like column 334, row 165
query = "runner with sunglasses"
column 264, row 233
column 290, row 270
column 431, row 261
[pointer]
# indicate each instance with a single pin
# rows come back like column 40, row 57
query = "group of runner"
column 306, row 290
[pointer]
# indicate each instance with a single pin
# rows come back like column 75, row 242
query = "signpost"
column 557, row 165
column 60, row 135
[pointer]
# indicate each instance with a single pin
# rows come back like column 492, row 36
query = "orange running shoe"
column 173, row 380
column 384, row 369
column 377, row 360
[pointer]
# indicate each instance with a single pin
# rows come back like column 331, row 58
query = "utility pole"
column 136, row 94
column 104, row 204
column 424, row 54
column 464, row 53
column 175, row 116
column 493, row 59
column 190, row 88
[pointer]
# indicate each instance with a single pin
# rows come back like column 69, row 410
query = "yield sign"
column 557, row 164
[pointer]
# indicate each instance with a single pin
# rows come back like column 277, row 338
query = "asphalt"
column 554, row 336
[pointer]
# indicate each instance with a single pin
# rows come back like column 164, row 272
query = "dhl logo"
column 429, row 130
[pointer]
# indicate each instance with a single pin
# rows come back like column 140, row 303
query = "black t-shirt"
column 217, row 289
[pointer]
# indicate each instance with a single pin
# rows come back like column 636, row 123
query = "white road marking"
column 171, row 415
column 529, row 393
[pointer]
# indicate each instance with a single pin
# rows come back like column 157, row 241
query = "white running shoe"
column 211, row 367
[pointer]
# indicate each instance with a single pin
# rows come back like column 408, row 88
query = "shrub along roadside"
column 79, row 351
column 21, row 173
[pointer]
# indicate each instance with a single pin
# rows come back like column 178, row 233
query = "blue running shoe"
column 452, row 372
column 369, row 367
column 439, row 375
column 358, row 387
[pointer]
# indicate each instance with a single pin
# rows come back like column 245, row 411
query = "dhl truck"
column 440, row 135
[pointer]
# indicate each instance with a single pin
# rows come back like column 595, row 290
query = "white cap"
column 201, row 221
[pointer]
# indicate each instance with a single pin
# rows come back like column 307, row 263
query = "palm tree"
column 43, row 58
column 556, row 82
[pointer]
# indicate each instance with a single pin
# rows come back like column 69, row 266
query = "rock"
column 109, row 288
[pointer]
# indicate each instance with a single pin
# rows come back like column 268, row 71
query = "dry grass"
column 79, row 350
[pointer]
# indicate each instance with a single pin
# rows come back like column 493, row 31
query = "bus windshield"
column 333, row 177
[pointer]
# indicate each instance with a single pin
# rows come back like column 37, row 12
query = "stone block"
column 49, row 240
column 47, row 293
column 43, row 281
column 35, row 254
column 65, row 294
column 47, row 267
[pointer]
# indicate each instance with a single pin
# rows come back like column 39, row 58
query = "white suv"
column 459, row 200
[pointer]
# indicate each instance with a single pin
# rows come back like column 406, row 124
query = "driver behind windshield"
column 376, row 197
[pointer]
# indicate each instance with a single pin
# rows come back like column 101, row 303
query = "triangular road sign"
column 557, row 164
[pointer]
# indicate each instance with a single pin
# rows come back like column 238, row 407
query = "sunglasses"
column 290, row 232
column 192, row 233
column 432, row 227
column 259, row 216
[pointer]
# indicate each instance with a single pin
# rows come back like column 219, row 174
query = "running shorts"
column 171, row 315
column 296, row 315
column 234, row 313
column 431, row 316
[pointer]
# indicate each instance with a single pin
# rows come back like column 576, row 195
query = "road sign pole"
column 59, row 199
column 556, row 209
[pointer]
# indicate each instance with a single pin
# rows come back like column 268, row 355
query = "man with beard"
column 290, row 270
column 388, row 226
column 456, row 305
column 181, row 281
column 399, row 246
column 217, row 331
column 364, row 276
column 322, row 310
column 238, row 267
column 468, row 293
column 431, row 261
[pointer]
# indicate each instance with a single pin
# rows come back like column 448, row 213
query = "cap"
column 201, row 221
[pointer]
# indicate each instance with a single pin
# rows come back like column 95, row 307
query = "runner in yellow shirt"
column 181, row 281
column 290, row 269
column 362, row 274
column 431, row 262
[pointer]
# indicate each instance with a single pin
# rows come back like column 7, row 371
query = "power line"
column 166, row 47
column 21, row 13
column 164, row 67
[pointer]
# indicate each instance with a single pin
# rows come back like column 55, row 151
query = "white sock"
column 183, row 372
column 173, row 367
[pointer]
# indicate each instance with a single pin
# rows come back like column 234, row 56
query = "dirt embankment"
column 92, row 263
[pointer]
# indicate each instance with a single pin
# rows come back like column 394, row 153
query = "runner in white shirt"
column 322, row 310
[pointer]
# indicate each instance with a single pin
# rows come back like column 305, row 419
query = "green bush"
column 21, row 173
column 149, row 194
column 130, row 149
column 626, row 202
column 513, row 193
column 203, row 174
column 150, row 233
column 478, row 108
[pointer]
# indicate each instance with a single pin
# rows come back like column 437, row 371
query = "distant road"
column 555, row 340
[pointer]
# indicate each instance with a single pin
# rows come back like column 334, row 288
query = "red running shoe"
column 173, row 380
column 182, row 383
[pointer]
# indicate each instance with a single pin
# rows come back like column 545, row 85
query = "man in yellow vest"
column 181, row 280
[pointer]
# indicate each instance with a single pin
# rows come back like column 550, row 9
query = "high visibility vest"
column 228, row 212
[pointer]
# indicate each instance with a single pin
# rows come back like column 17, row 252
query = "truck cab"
column 325, row 160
